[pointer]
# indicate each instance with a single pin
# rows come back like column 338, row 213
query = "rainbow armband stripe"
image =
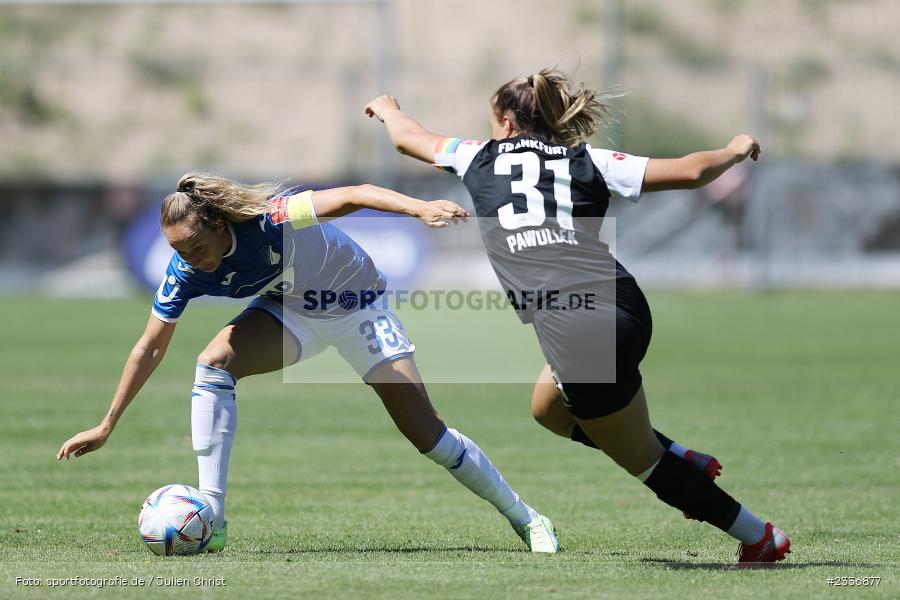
column 444, row 154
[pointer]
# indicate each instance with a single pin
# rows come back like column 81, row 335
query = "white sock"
column 747, row 527
column 213, row 423
column 678, row 449
column 468, row 464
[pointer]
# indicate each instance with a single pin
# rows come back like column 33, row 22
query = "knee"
column 217, row 355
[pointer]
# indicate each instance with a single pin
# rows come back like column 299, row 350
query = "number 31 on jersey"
column 534, row 198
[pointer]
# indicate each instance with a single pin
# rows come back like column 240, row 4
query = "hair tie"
column 190, row 196
column 530, row 80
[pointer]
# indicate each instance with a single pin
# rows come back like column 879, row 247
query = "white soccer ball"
column 176, row 519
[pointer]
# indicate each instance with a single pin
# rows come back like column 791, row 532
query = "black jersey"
column 540, row 208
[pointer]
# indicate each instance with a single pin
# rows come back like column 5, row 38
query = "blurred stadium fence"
column 784, row 224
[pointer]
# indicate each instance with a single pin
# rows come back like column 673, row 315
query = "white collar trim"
column 233, row 240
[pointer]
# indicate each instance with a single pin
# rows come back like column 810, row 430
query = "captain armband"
column 300, row 210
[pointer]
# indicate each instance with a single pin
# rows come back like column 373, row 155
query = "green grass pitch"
column 795, row 393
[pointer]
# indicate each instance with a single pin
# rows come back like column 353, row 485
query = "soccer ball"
column 176, row 519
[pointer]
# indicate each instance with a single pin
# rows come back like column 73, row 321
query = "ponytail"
column 215, row 200
column 543, row 105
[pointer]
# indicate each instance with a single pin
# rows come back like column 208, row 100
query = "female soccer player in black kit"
column 540, row 192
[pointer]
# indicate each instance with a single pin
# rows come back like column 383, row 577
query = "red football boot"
column 772, row 548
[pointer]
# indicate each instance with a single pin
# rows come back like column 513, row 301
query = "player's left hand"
column 442, row 213
column 377, row 107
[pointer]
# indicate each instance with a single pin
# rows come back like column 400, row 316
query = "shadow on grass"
column 384, row 550
column 709, row 566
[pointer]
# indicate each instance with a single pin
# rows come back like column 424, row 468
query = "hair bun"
column 185, row 184
column 545, row 105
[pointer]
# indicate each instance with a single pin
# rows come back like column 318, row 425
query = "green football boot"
column 218, row 540
column 539, row 536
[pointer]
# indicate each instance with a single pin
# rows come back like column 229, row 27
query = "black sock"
column 678, row 483
column 578, row 435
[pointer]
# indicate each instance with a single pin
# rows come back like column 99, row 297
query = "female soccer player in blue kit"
column 251, row 240
column 540, row 193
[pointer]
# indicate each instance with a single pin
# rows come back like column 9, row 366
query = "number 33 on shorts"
column 384, row 332
column 364, row 338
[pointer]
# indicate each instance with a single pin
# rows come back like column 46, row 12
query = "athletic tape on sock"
column 678, row 483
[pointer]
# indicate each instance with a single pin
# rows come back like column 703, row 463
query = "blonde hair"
column 215, row 200
column 545, row 106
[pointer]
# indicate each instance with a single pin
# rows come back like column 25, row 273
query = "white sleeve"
column 623, row 173
column 456, row 154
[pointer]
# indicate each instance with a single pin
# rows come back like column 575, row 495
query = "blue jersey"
column 318, row 271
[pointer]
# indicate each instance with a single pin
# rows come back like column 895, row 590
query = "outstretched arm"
column 697, row 169
column 407, row 134
column 312, row 206
column 146, row 355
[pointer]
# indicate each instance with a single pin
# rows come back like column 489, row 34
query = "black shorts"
column 595, row 354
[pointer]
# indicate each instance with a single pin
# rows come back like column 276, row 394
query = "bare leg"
column 247, row 346
column 404, row 396
column 548, row 409
column 626, row 436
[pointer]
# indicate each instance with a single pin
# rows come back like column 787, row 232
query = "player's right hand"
column 84, row 442
column 377, row 107
column 441, row 213
column 744, row 145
